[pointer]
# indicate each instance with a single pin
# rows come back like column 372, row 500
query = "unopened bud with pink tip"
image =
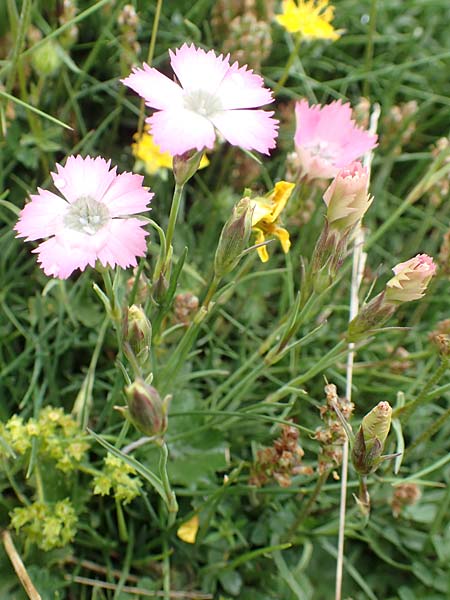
column 409, row 283
column 371, row 438
column 410, row 280
column 145, row 409
column 347, row 198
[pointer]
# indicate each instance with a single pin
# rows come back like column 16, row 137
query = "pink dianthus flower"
column 327, row 139
column 212, row 95
column 90, row 222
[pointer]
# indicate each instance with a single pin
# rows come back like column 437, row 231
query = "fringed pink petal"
column 197, row 69
column 88, row 177
column 60, row 260
column 241, row 88
column 250, row 129
column 42, row 217
column 181, row 130
column 157, row 90
column 307, row 118
column 125, row 241
column 127, row 196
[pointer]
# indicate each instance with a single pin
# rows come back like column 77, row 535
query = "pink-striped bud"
column 347, row 197
column 410, row 280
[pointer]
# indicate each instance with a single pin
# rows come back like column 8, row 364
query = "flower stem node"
column 372, row 315
column 370, row 439
column 146, row 410
column 234, row 238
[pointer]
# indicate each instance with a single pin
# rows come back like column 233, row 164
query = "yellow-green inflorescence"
column 58, row 435
column 48, row 525
column 117, row 478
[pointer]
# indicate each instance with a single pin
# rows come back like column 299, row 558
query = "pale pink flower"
column 410, row 280
column 327, row 139
column 212, row 95
column 90, row 222
column 347, row 197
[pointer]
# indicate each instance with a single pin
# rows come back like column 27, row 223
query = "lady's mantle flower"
column 90, row 222
column 145, row 150
column 212, row 95
column 327, row 139
column 265, row 219
column 311, row 18
column 410, row 280
column 347, row 198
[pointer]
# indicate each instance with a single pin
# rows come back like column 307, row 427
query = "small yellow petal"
column 280, row 196
column 262, row 209
column 262, row 250
column 263, row 254
column 188, row 530
column 204, row 162
column 283, row 235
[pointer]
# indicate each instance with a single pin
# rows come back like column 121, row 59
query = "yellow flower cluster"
column 311, row 18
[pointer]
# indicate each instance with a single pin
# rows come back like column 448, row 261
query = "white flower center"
column 323, row 149
column 202, row 102
column 86, row 215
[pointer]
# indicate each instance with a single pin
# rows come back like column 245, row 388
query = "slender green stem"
column 323, row 363
column 288, row 65
column 429, row 432
column 176, row 201
column 370, row 46
column 39, row 484
column 406, row 411
column 19, row 42
column 83, row 401
column 171, row 499
column 180, row 353
column 211, row 290
column 306, row 508
column 151, row 53
column 166, row 568
column 121, row 523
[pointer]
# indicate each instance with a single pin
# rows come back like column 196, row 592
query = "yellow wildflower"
column 151, row 155
column 311, row 18
column 265, row 222
column 188, row 530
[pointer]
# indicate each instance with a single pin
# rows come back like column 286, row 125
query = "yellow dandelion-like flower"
column 145, row 149
column 265, row 218
column 311, row 18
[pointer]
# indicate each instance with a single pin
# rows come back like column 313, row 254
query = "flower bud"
column 146, row 410
column 347, row 198
column 46, row 59
column 138, row 332
column 234, row 238
column 186, row 165
column 411, row 279
column 371, row 437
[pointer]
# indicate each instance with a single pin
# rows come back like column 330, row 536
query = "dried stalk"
column 359, row 259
